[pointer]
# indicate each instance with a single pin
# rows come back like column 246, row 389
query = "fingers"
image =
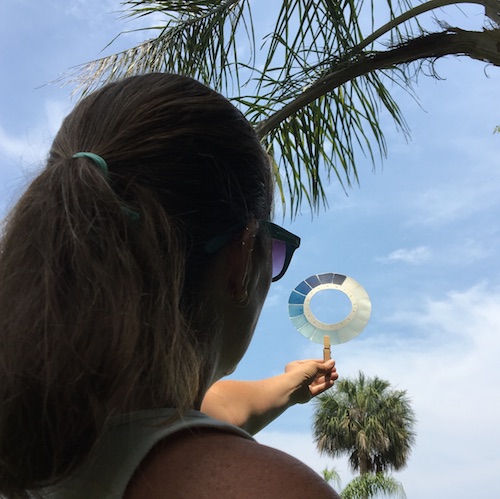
column 320, row 388
column 330, row 376
column 322, row 383
column 331, row 366
column 325, row 367
column 318, row 363
column 314, row 369
column 316, row 374
column 315, row 361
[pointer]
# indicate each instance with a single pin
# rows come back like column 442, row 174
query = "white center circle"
column 316, row 322
column 330, row 306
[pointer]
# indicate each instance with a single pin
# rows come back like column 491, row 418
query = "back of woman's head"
column 100, row 271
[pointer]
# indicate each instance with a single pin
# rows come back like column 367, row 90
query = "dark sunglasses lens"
column 279, row 256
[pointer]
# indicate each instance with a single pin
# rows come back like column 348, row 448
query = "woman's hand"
column 310, row 378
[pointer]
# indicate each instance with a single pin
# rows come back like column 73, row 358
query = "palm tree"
column 367, row 420
column 367, row 485
column 371, row 485
column 331, row 475
column 319, row 77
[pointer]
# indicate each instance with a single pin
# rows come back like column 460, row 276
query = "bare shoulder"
column 214, row 464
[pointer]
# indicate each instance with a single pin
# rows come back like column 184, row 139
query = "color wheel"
column 299, row 308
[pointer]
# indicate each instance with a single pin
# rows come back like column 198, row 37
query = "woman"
column 133, row 271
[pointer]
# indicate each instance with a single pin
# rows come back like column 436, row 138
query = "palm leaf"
column 317, row 86
column 198, row 39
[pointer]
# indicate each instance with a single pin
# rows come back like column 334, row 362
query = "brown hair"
column 99, row 310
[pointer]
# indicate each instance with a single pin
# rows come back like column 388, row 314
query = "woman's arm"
column 252, row 405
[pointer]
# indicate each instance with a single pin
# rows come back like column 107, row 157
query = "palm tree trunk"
column 364, row 464
column 363, row 469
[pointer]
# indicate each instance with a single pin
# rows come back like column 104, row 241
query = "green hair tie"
column 101, row 163
column 131, row 214
column 95, row 158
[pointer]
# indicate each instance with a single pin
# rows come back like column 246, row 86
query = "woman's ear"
column 240, row 263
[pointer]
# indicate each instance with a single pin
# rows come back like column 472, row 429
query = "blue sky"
column 421, row 235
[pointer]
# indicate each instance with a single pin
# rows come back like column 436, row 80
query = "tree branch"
column 480, row 45
column 410, row 14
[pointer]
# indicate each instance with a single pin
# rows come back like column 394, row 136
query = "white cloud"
column 414, row 256
column 92, row 12
column 462, row 251
column 32, row 145
column 55, row 112
column 446, row 357
column 277, row 296
column 13, row 146
column 464, row 185
column 23, row 153
column 437, row 206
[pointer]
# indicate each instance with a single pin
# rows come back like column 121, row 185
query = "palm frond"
column 198, row 38
column 317, row 86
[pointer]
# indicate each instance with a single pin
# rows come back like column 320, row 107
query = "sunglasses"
column 284, row 244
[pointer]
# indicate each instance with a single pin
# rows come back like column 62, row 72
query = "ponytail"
column 87, row 294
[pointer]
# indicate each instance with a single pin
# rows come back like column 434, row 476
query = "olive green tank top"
column 125, row 443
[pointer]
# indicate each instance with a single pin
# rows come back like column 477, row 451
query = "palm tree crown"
column 367, row 420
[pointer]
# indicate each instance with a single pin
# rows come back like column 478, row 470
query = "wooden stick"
column 326, row 348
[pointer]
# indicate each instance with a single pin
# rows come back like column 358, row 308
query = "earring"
column 241, row 301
